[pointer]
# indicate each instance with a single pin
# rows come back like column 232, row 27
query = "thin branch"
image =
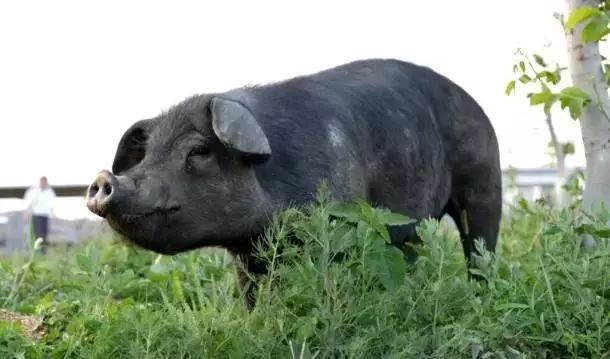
column 560, row 156
column 558, row 149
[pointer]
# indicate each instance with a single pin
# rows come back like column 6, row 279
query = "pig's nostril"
column 93, row 190
column 107, row 189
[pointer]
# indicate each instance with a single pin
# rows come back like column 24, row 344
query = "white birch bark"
column 587, row 74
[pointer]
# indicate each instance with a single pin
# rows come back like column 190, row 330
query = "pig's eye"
column 197, row 158
column 199, row 151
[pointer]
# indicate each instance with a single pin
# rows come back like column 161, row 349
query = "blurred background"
column 74, row 75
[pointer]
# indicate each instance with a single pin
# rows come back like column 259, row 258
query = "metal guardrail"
column 60, row 191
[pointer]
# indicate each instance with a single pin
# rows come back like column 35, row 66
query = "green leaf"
column 552, row 230
column 362, row 231
column 545, row 97
column 510, row 88
column 522, row 65
column 539, row 60
column 596, row 29
column 349, row 211
column 84, row 262
column 575, row 99
column 366, row 211
column 549, row 104
column 579, row 15
column 557, row 72
column 568, row 148
column 478, row 272
column 92, row 325
column 389, row 266
column 176, row 286
column 394, row 219
column 585, row 229
column 540, row 98
column 523, row 204
column 551, row 77
column 343, row 239
column 525, row 79
column 602, row 233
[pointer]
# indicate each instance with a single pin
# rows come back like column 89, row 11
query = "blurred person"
column 40, row 200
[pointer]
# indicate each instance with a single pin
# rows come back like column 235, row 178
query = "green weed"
column 342, row 292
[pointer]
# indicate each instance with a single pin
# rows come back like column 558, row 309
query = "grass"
column 342, row 294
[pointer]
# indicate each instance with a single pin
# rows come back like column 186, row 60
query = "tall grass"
column 342, row 293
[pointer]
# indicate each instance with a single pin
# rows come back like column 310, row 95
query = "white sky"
column 74, row 74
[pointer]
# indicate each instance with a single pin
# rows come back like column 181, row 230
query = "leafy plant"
column 335, row 289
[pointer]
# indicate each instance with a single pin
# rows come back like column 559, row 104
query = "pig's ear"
column 132, row 147
column 236, row 128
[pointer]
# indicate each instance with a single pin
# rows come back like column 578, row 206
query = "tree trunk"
column 561, row 164
column 587, row 74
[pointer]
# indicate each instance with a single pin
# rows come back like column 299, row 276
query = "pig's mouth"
column 141, row 224
column 146, row 229
column 157, row 212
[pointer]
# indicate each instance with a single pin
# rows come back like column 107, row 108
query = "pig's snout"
column 101, row 193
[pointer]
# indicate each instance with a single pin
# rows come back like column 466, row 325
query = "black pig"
column 213, row 169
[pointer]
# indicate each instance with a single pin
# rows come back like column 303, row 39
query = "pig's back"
column 368, row 127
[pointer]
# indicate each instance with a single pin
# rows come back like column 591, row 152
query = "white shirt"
column 40, row 201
